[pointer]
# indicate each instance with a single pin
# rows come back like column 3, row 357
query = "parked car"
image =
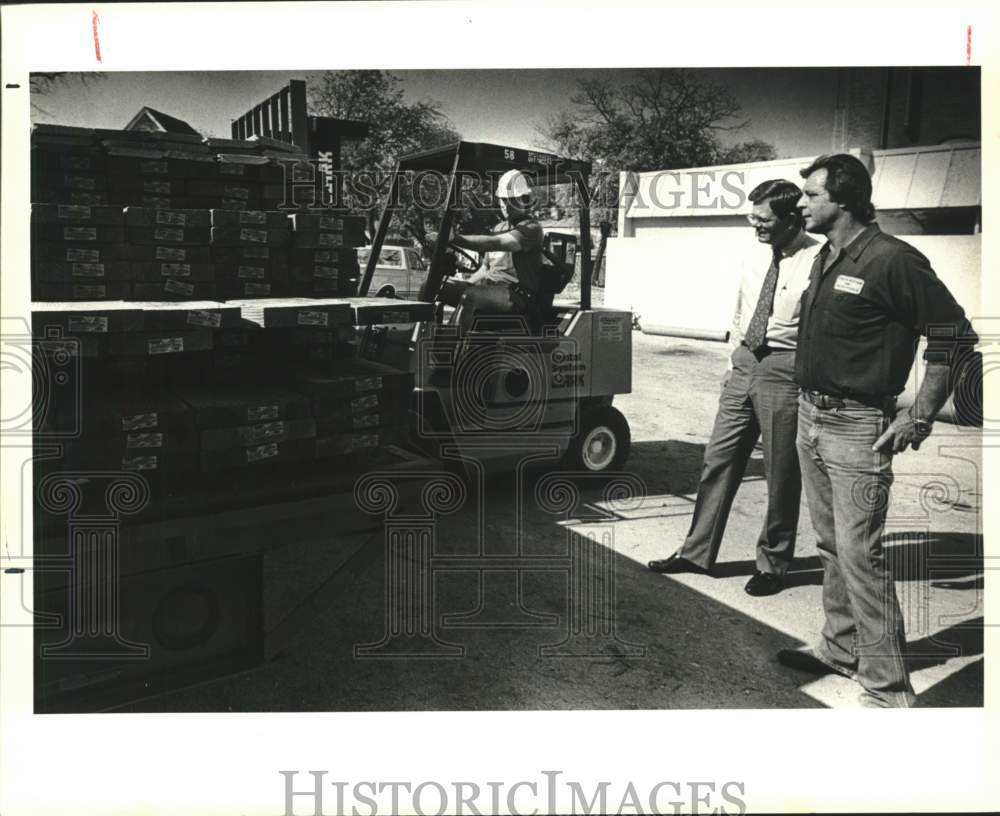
column 400, row 271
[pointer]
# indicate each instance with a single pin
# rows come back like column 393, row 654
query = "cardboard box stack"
column 250, row 253
column 358, row 406
column 324, row 253
column 170, row 254
column 79, row 253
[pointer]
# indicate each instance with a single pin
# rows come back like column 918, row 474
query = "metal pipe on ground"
column 687, row 333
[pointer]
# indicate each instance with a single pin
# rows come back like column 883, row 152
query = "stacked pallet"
column 250, row 253
column 360, row 406
column 79, row 253
column 115, row 372
column 170, row 254
column 251, row 426
column 324, row 254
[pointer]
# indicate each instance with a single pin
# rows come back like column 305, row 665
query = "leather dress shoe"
column 675, row 564
column 764, row 583
column 806, row 660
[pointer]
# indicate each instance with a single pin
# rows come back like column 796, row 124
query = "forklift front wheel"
column 602, row 442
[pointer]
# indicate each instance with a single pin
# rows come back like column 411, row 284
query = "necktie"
column 754, row 338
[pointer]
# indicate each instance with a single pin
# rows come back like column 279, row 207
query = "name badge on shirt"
column 846, row 283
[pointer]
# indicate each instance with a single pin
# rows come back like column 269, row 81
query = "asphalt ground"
column 534, row 601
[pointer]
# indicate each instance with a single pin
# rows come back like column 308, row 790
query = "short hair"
column 781, row 194
column 848, row 182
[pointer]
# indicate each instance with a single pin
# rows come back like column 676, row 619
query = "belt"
column 827, row 401
column 765, row 351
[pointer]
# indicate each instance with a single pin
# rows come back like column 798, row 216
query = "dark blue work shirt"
column 862, row 317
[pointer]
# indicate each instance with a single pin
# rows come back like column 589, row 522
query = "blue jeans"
column 847, row 487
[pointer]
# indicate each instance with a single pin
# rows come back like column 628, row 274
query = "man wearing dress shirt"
column 759, row 399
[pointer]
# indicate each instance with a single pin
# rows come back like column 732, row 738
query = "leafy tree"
column 41, row 83
column 396, row 129
column 662, row 119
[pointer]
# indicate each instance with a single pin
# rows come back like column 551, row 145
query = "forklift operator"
column 510, row 281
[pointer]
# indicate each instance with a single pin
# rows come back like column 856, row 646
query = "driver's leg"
column 482, row 299
column 452, row 292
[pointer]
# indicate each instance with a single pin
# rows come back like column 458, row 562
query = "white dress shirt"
column 793, row 280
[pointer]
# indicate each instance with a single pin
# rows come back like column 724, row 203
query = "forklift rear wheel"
column 603, row 441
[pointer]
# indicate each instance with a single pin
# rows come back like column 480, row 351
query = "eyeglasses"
column 754, row 221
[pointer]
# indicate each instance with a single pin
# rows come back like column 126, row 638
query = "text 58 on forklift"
column 313, row 794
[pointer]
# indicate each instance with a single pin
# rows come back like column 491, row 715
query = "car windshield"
column 389, row 256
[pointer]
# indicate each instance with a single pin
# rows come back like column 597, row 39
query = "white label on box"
column 80, row 182
column 359, row 441
column 199, row 317
column 236, row 192
column 81, row 197
column 96, row 290
column 366, row 421
column 256, row 252
column 259, row 452
column 250, row 289
column 174, row 219
column 326, row 256
column 309, row 318
column 268, row 430
column 80, row 233
column 328, row 222
column 74, row 254
column 170, row 253
column 254, row 235
column 168, row 234
column 175, row 287
column 87, row 323
column 138, row 421
column 361, row 404
column 166, row 345
column 153, row 166
column 76, row 212
column 155, row 201
column 76, row 162
column 253, row 217
column 88, row 270
column 156, row 186
column 144, row 440
column 139, row 463
column 329, row 239
column 325, row 272
column 251, row 272
column 175, row 270
column 230, row 169
column 256, row 413
column 396, row 317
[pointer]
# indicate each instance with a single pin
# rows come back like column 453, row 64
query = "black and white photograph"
column 586, row 409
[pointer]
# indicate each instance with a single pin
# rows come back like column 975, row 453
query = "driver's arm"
column 503, row 242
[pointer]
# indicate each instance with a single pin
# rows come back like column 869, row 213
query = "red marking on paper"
column 968, row 45
column 97, row 40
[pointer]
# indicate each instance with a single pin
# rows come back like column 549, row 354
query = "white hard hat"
column 513, row 184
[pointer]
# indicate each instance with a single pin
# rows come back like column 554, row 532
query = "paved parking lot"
column 567, row 624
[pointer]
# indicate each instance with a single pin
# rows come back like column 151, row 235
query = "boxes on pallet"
column 42, row 290
column 369, row 311
column 175, row 289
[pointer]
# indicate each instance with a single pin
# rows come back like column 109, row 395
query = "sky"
column 790, row 108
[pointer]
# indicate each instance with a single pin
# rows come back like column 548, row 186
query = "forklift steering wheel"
column 475, row 259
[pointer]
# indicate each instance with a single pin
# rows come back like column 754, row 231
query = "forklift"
column 511, row 389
